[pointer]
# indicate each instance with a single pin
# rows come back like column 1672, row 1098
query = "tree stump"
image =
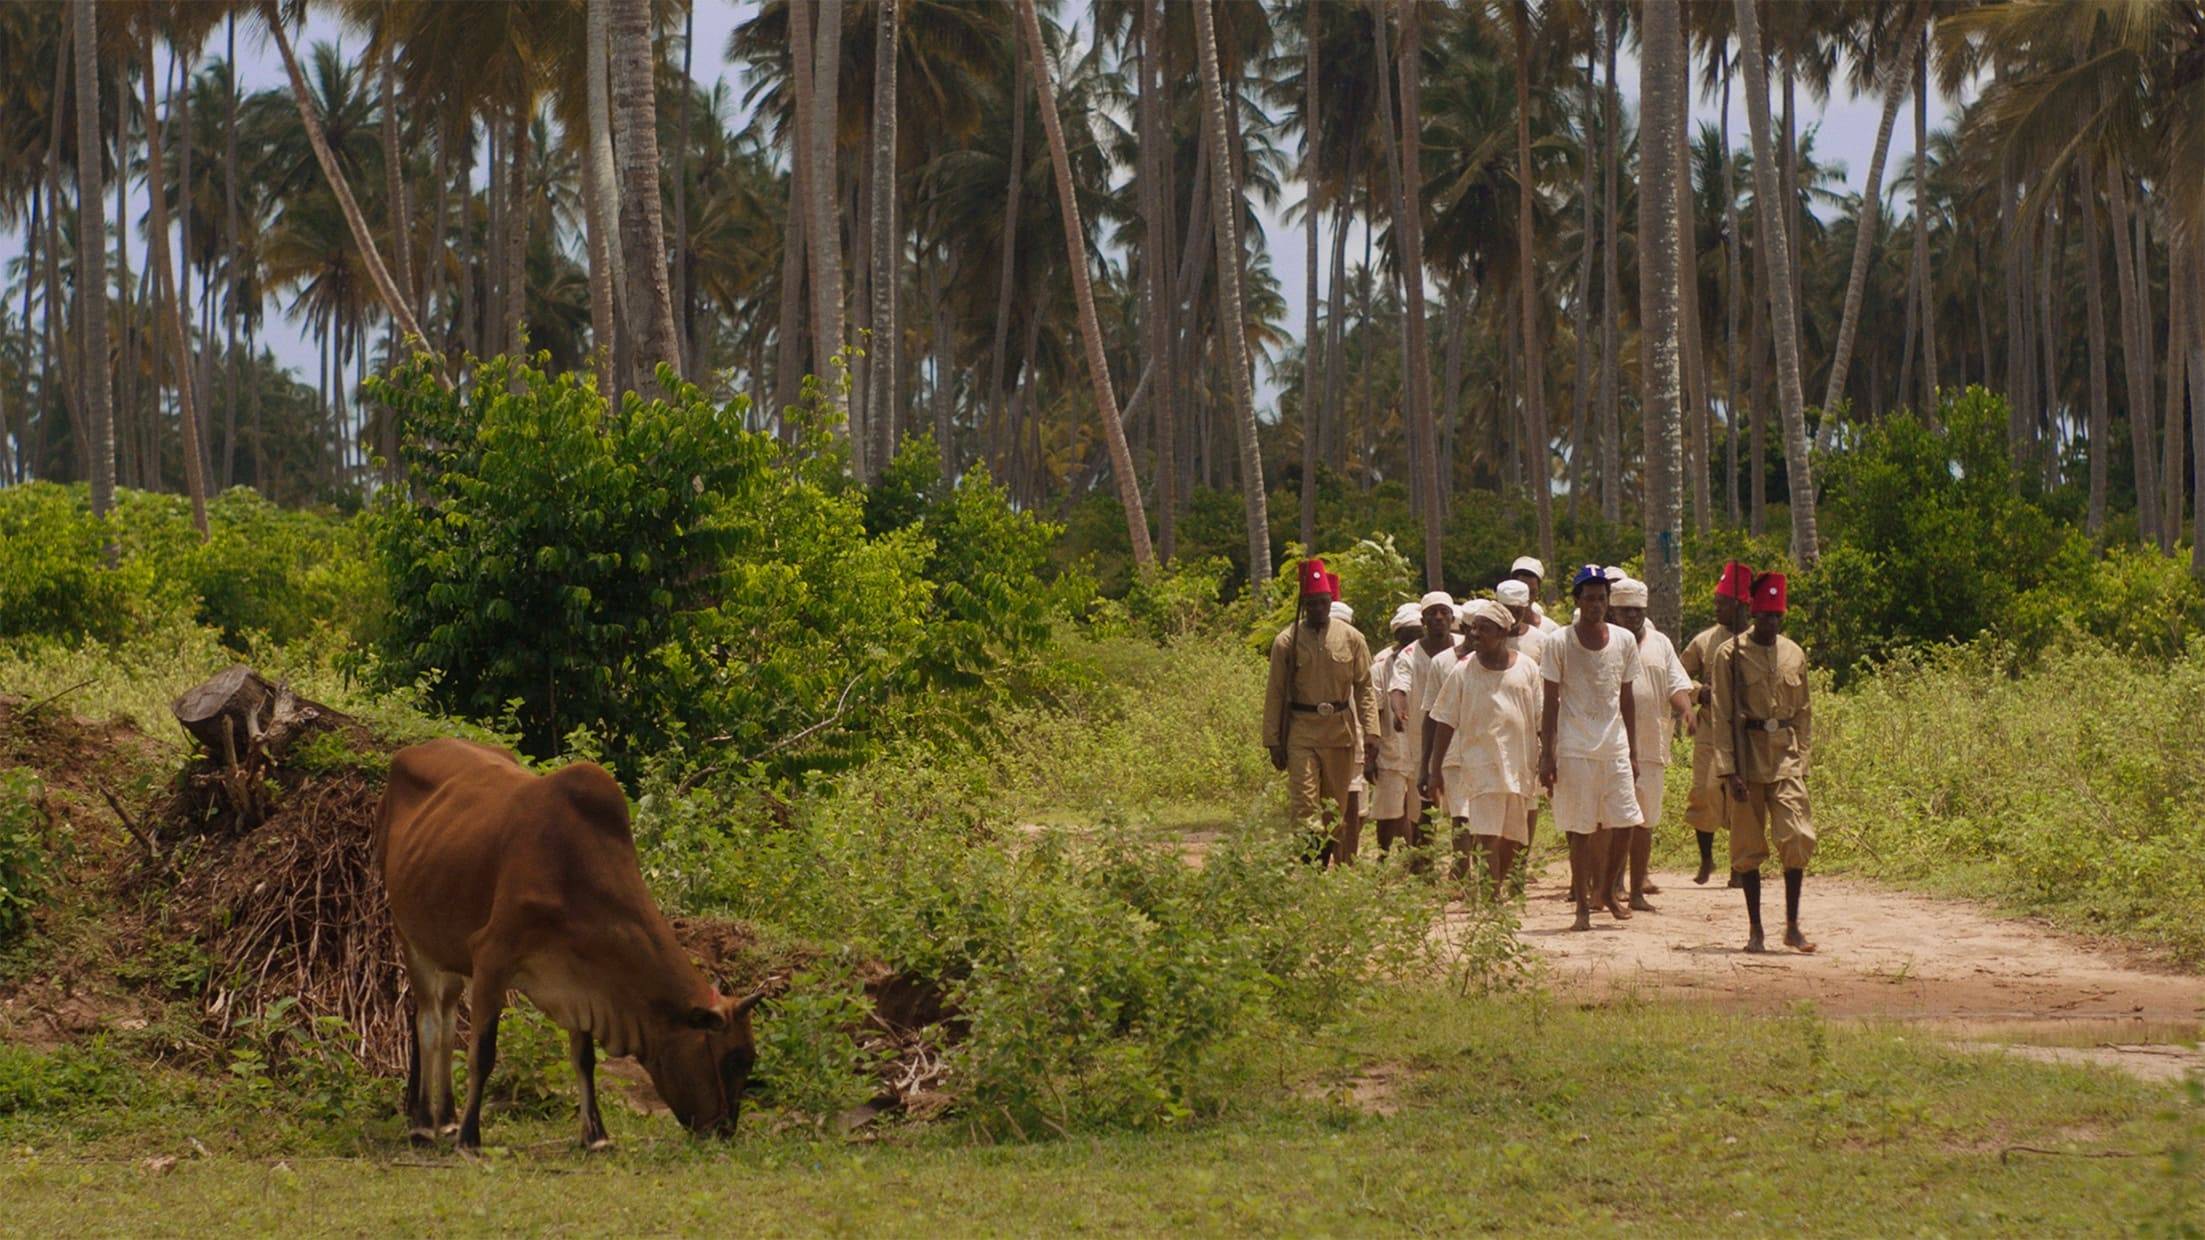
column 247, row 724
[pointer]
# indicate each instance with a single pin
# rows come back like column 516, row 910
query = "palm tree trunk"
column 2137, row 391
column 2194, row 284
column 823, row 232
column 2171, row 454
column 394, row 177
column 795, row 230
column 604, row 198
column 1799, row 470
column 1661, row 96
column 683, row 311
column 516, row 230
column 129, row 428
column 1581, row 309
column 944, row 343
column 1156, row 267
column 370, row 257
column 1312, row 206
column 887, row 242
column 1527, row 280
column 91, row 274
column 2101, row 426
column 230, row 247
column 1335, row 371
column 597, row 244
column 168, row 310
column 1896, row 73
column 1231, row 337
column 1692, row 357
column 635, row 129
column 1921, row 224
column 1611, row 421
column 1733, row 280
column 1075, row 250
column 1008, row 263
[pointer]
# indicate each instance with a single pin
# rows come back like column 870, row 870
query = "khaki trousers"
column 1314, row 774
column 1775, row 811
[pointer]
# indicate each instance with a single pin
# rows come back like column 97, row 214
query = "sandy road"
column 1974, row 975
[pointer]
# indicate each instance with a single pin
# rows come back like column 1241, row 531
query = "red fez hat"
column 1315, row 580
column 1736, row 582
column 1769, row 592
column 1332, row 585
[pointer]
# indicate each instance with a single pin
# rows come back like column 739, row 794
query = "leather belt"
column 1322, row 708
column 1768, row 725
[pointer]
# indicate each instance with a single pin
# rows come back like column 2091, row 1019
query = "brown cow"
column 500, row 879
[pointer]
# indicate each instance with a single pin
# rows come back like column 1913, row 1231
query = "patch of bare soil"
column 1963, row 971
column 1375, row 1090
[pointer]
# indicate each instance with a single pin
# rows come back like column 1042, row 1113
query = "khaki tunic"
column 1703, row 811
column 1752, row 684
column 1324, row 750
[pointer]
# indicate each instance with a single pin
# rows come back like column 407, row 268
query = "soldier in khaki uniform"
column 1319, row 705
column 1703, row 810
column 1762, row 727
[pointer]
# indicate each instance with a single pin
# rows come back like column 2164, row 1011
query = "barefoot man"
column 1763, row 728
column 1588, row 741
column 1662, row 692
column 1391, row 770
column 1529, row 640
column 1318, row 704
column 1480, row 766
column 1417, row 675
column 1703, row 810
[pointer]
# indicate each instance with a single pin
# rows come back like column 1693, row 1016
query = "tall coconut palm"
column 91, row 275
column 1527, row 279
column 1661, row 94
column 1312, row 208
column 1896, row 67
column 394, row 301
column 169, row 307
column 1075, row 252
column 642, row 234
column 1771, row 209
column 1231, row 340
column 820, row 226
column 608, row 270
column 887, row 240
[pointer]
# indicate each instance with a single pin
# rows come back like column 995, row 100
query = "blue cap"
column 1590, row 572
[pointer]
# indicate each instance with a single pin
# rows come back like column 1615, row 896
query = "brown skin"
column 1767, row 625
column 1437, row 635
column 1316, row 614
column 1489, row 644
column 1595, row 857
column 1632, row 620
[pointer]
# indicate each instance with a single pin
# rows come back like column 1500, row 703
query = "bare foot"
column 1650, row 888
column 1584, row 919
column 1642, row 904
column 1617, row 911
column 1797, row 941
column 1734, row 884
column 1707, row 868
column 1754, row 944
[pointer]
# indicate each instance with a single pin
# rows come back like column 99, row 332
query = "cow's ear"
column 706, row 1017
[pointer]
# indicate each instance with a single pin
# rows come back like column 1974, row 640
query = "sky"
column 1846, row 135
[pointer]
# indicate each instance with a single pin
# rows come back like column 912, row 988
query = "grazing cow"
column 500, row 879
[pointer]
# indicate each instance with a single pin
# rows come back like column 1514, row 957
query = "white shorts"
column 1499, row 814
column 1651, row 778
column 1591, row 793
column 1394, row 796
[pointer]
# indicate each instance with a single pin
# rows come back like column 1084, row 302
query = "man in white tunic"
column 1390, row 762
column 1533, row 573
column 1415, row 673
column 1661, row 692
column 1528, row 639
column 1480, row 767
column 1588, row 742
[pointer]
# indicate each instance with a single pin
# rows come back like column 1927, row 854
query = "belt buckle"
column 1326, row 709
column 1771, row 725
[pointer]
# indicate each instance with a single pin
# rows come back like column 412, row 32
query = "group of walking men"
column 1480, row 708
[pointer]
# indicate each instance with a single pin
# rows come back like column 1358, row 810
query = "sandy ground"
column 1969, row 973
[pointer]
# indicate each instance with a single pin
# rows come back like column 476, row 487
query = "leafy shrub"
column 65, row 1079
column 1374, row 579
column 25, row 861
column 809, row 1062
column 53, row 580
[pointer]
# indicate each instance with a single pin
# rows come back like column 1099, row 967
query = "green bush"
column 62, row 1080
column 809, row 1061
column 26, row 863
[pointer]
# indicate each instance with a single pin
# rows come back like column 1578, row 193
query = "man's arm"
column 1721, row 713
column 1548, row 713
column 1628, row 701
column 1803, row 719
column 1365, row 697
column 1275, row 697
column 1443, row 735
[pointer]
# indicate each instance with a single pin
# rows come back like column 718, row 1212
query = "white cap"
column 1407, row 616
column 1437, row 598
column 1343, row 612
column 1513, row 593
column 1528, row 564
column 1489, row 610
column 1627, row 592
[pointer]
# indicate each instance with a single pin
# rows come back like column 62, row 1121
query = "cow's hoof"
column 597, row 1145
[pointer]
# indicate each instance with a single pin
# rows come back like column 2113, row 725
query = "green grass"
column 1522, row 1113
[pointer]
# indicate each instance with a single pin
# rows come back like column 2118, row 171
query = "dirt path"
column 1974, row 976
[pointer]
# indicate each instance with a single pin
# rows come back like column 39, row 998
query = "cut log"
column 247, row 725
column 228, row 714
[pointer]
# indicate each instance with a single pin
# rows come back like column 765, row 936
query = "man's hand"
column 1634, row 766
column 1278, row 757
column 1737, row 787
column 1370, row 767
column 1691, row 722
column 1432, row 789
column 1546, row 769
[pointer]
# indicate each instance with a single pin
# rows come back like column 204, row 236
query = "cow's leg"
column 582, row 1053
column 420, row 1126
column 485, row 1002
column 441, row 1044
column 435, row 1024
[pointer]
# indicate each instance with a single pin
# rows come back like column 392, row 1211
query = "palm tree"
column 608, row 267
column 394, row 302
column 169, row 311
column 1783, row 314
column 823, row 235
column 91, row 272
column 1312, row 207
column 1527, row 279
column 635, row 128
column 887, row 240
column 1075, row 249
column 1896, row 65
column 1231, row 338
column 1661, row 95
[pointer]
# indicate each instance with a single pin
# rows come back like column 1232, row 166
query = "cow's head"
column 701, row 1064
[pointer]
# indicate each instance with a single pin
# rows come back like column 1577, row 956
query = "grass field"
column 1428, row 1114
